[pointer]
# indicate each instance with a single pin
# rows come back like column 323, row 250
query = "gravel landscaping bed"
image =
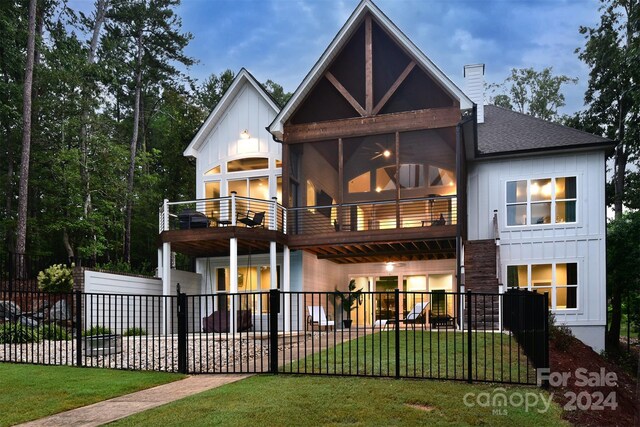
column 204, row 354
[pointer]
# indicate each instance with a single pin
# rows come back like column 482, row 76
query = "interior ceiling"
column 386, row 252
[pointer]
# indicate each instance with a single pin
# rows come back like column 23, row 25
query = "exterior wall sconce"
column 245, row 134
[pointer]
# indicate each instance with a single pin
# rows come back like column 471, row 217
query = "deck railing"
column 222, row 212
column 361, row 216
column 378, row 215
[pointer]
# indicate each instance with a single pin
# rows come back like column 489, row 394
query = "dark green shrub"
column 134, row 332
column 57, row 278
column 97, row 330
column 15, row 333
column 54, row 332
column 561, row 335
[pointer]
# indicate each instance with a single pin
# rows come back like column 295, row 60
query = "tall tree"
column 23, row 192
column 212, row 89
column 612, row 51
column 88, row 94
column 528, row 91
column 150, row 30
column 13, row 31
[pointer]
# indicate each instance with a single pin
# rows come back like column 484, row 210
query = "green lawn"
column 286, row 400
column 29, row 392
column 423, row 354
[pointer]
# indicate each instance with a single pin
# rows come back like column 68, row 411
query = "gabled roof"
column 225, row 102
column 509, row 132
column 336, row 45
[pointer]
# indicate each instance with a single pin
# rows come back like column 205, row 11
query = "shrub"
column 54, row 332
column 15, row 333
column 134, row 332
column 57, row 278
column 97, row 330
column 560, row 334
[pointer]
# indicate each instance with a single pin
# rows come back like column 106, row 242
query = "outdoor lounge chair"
column 417, row 314
column 253, row 221
column 218, row 321
column 318, row 318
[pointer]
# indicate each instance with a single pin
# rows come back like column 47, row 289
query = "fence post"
column 469, row 306
column 274, row 309
column 396, row 297
column 78, row 295
column 11, row 261
column 545, row 329
column 182, row 331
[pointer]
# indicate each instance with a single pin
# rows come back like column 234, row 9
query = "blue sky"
column 282, row 39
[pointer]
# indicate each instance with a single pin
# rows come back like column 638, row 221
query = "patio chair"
column 219, row 321
column 438, row 316
column 414, row 316
column 254, row 220
column 318, row 318
column 417, row 314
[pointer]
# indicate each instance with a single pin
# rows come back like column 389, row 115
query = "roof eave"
column 222, row 105
column 606, row 146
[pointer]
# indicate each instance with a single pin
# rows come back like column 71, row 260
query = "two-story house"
column 381, row 170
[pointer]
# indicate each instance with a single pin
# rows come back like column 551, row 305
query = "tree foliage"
column 612, row 52
column 86, row 76
column 538, row 93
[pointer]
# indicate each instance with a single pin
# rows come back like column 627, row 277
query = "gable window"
column 247, row 164
column 213, row 171
column 541, row 201
column 558, row 280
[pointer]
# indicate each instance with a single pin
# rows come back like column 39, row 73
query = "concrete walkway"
column 120, row 407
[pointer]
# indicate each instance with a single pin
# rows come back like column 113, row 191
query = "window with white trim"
column 541, row 201
column 558, row 280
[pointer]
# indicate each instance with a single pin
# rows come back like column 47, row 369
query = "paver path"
column 120, row 407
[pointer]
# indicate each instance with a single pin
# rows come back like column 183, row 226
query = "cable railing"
column 222, row 212
column 379, row 215
column 433, row 211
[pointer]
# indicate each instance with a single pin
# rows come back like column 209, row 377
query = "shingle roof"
column 505, row 131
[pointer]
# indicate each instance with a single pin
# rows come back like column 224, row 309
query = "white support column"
column 274, row 214
column 273, row 265
column 234, row 215
column 286, row 286
column 159, row 269
column 273, row 272
column 166, row 287
column 165, row 214
column 233, row 267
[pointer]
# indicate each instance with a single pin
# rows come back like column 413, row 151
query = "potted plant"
column 350, row 300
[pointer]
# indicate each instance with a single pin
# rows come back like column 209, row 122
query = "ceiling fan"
column 381, row 152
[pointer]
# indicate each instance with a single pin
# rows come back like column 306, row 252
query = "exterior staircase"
column 480, row 278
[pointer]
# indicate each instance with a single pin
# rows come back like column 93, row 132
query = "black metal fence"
column 439, row 335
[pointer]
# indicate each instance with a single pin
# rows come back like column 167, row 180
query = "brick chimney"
column 474, row 87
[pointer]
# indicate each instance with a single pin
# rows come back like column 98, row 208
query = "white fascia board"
column 225, row 102
column 316, row 73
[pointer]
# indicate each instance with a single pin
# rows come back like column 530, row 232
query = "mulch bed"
column 578, row 355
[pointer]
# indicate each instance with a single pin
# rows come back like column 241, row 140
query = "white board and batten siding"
column 582, row 242
column 248, row 111
column 120, row 302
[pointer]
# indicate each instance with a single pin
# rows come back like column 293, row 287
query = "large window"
column 558, row 280
column 541, row 201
